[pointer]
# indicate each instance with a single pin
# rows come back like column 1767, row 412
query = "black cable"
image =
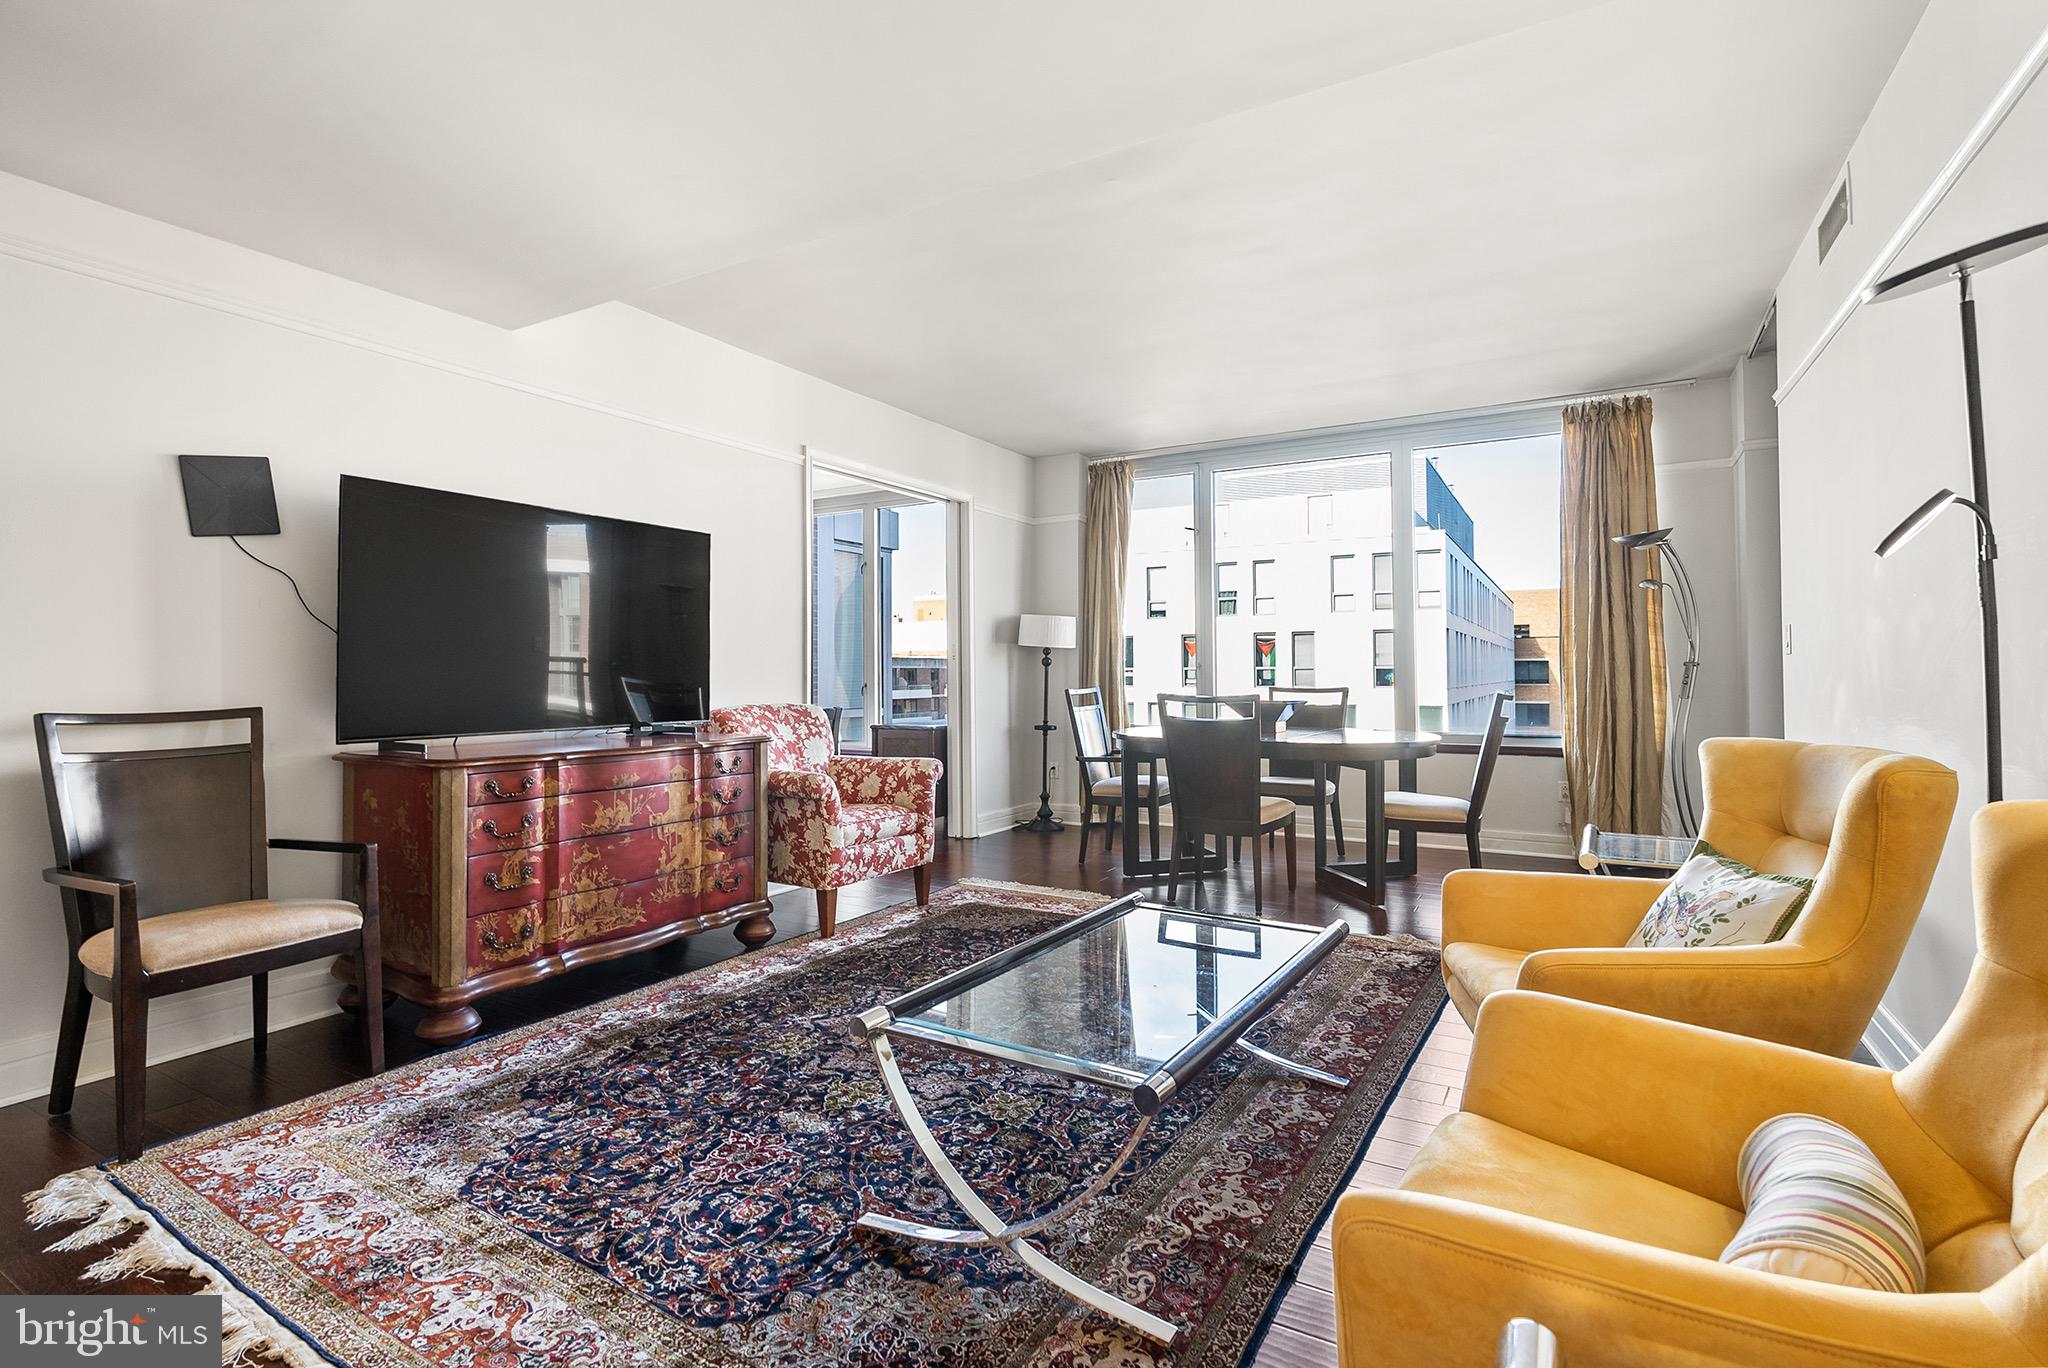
column 288, row 580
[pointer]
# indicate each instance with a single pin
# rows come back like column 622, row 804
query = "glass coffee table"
column 1135, row 996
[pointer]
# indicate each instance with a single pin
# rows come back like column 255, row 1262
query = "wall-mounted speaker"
column 229, row 496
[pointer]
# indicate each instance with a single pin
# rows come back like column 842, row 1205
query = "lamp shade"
column 1041, row 629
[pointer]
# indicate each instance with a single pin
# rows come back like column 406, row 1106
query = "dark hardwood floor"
column 224, row 1084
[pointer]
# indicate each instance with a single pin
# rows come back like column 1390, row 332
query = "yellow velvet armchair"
column 1865, row 825
column 1590, row 1183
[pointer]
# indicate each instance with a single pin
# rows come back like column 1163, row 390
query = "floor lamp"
column 1048, row 633
column 1688, row 618
column 1962, row 267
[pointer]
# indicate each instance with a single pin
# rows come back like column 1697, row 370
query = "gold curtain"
column 1107, row 543
column 1611, row 648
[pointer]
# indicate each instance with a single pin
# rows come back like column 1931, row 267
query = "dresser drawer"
column 721, row 797
column 511, row 877
column 607, row 914
column 607, row 813
column 513, row 936
column 730, row 760
column 581, row 776
column 725, row 838
column 506, row 826
column 721, row 885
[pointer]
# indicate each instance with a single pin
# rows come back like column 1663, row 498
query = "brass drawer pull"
column 524, row 938
column 721, row 885
column 725, row 839
column 526, row 879
column 491, row 787
column 526, row 823
column 721, row 764
column 726, row 797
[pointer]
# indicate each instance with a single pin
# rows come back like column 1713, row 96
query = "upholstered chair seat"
column 1426, row 807
column 1590, row 1179
column 201, row 935
column 1865, row 825
column 837, row 819
column 1111, row 790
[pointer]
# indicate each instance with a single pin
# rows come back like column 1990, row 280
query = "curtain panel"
column 1107, row 541
column 1611, row 675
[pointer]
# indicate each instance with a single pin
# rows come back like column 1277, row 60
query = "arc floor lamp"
column 1680, row 588
column 1962, row 267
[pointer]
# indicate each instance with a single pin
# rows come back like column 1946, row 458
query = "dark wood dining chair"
column 1295, row 780
column 1212, row 751
column 1102, row 783
column 1440, row 812
column 163, row 871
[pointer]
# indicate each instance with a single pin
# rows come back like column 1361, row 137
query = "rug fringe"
column 248, row 1332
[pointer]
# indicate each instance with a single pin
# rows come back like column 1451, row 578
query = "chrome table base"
column 991, row 1229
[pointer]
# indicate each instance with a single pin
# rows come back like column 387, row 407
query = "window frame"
column 1401, row 441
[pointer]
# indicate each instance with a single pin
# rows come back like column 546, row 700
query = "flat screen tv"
column 460, row 615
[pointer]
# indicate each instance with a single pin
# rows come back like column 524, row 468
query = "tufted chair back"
column 799, row 735
column 1867, row 826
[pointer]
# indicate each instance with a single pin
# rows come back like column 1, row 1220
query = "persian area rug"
column 673, row 1177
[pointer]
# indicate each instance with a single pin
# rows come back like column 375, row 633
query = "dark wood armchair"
column 163, row 871
column 1212, row 747
column 1295, row 780
column 1102, row 784
column 1440, row 812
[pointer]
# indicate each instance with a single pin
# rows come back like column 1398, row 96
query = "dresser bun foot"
column 442, row 1028
column 756, row 931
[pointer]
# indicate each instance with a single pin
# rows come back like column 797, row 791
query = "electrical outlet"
column 1564, row 792
column 1054, row 770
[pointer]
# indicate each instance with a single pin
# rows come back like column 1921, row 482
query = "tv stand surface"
column 505, row 861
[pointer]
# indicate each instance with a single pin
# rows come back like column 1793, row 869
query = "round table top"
column 1331, row 745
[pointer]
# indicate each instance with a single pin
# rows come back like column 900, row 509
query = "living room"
column 1165, row 815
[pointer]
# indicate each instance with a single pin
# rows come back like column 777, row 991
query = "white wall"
column 1887, row 653
column 127, row 341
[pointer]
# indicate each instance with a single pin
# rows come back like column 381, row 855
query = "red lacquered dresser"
column 502, row 863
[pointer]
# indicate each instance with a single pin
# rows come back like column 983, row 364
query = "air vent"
column 1836, row 218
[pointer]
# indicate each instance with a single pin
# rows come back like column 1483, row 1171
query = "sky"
column 1511, row 490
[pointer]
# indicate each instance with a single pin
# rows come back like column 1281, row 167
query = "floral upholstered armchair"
column 837, row 819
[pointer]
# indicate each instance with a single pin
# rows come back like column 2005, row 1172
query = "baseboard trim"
column 178, row 1026
column 1889, row 1042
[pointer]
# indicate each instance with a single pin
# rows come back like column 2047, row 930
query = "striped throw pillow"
column 1820, row 1206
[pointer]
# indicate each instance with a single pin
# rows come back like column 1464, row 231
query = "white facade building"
column 1303, row 594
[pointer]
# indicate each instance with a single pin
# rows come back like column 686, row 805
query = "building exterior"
column 1303, row 593
column 1536, row 661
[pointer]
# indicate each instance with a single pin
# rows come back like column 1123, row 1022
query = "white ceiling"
column 1060, row 226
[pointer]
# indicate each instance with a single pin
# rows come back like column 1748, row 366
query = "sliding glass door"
column 880, row 631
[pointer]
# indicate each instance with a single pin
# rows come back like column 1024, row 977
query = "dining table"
column 1329, row 751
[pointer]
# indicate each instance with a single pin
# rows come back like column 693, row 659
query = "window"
column 1130, row 661
column 1383, row 579
column 1190, row 663
column 1304, row 646
column 1343, row 583
column 1532, row 672
column 1521, row 629
column 1532, row 716
column 1226, row 589
column 1264, row 669
column 1382, row 659
column 880, row 635
column 1155, row 591
column 1262, row 587
column 1321, row 513
column 1429, row 578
